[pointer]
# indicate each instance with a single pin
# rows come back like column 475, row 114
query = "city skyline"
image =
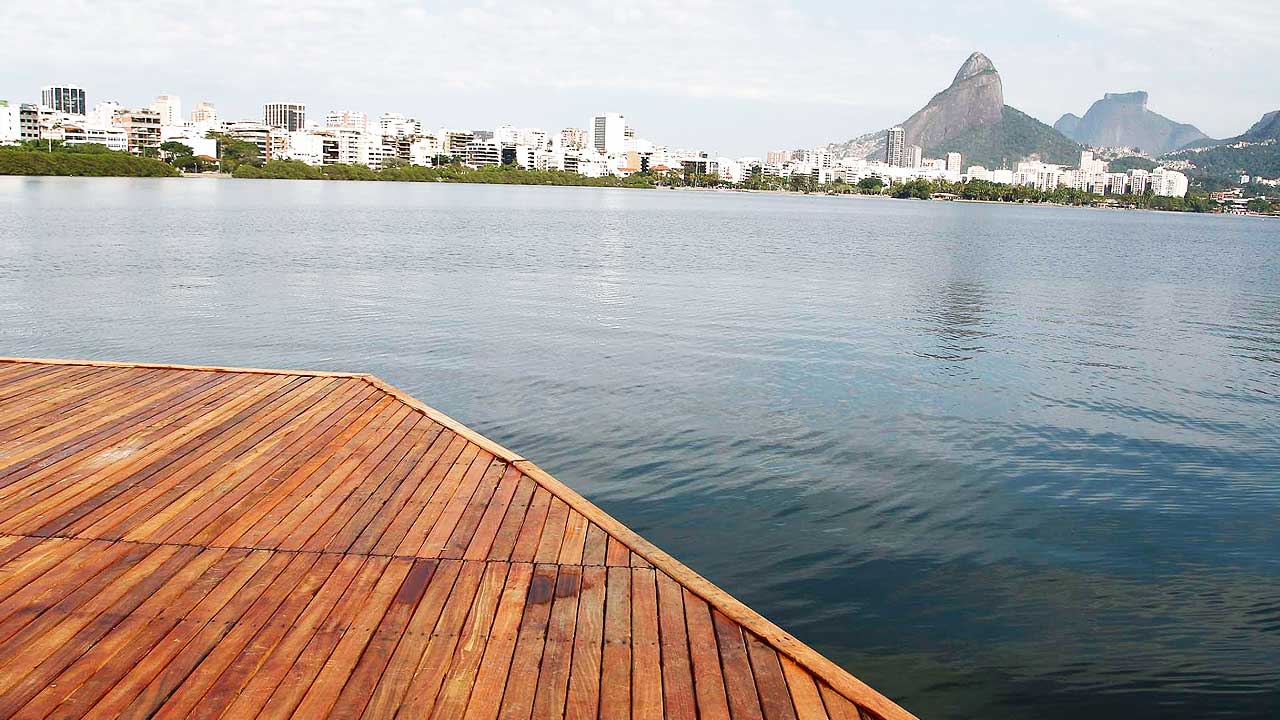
column 706, row 75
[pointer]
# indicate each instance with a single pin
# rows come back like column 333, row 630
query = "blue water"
column 997, row 461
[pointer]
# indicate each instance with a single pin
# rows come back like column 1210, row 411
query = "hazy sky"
column 731, row 76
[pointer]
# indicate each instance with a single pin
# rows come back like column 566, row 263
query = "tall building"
column 894, row 142
column 205, row 112
column 608, row 132
column 397, row 125
column 286, row 116
column 63, row 98
column 953, row 161
column 573, row 138
column 347, row 119
column 10, row 129
column 141, row 128
column 912, row 155
column 170, row 109
column 777, row 157
column 1169, row 183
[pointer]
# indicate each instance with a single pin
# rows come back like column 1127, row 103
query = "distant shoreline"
column 479, row 181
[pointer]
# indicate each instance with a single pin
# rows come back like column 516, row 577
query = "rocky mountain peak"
column 975, row 65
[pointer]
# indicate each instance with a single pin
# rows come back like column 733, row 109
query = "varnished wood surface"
column 181, row 541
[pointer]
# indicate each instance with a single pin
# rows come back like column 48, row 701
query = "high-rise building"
column 63, row 98
column 912, row 155
column 170, row 109
column 608, row 132
column 347, row 119
column 397, row 125
column 777, row 157
column 286, row 116
column 573, row 138
column 142, row 130
column 1169, row 183
column 953, row 161
column 895, row 140
column 205, row 113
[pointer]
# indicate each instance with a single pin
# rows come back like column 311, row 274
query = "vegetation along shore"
column 89, row 160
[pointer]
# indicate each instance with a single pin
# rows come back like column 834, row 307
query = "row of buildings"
column 607, row 146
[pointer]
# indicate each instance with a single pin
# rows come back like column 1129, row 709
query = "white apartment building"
column 1139, row 181
column 347, row 119
column 954, row 160
column 308, row 147
column 1168, row 183
column 397, row 125
column 895, row 143
column 169, row 108
column 10, row 125
column 204, row 113
column 608, row 133
column 573, row 138
column 424, row 151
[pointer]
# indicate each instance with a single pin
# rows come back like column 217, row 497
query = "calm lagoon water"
column 997, row 461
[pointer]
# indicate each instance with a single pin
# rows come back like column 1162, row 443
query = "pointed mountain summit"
column 974, row 98
column 1123, row 120
column 970, row 117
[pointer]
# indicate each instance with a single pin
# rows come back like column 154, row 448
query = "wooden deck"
column 214, row 542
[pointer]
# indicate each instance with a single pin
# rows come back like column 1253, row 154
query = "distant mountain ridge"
column 1268, row 128
column 1123, row 120
column 970, row 117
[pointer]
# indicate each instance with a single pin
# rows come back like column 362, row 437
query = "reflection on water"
column 998, row 461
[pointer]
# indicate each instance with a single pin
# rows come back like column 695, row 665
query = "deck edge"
column 840, row 680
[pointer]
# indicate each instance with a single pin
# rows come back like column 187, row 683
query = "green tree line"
column 87, row 160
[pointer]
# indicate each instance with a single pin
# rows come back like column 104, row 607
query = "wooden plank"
column 486, row 531
column 406, row 479
column 775, row 697
column 595, row 547
column 353, row 607
column 804, row 691
column 646, row 651
column 276, row 668
column 54, row 650
column 552, row 532
column 491, row 677
column 522, row 677
column 557, row 653
column 739, row 683
column 96, row 673
column 143, row 686
column 583, row 702
column 416, row 534
column 425, row 685
column 333, row 676
column 257, row 519
column 424, row 479
column 371, row 671
column 679, row 700
column 615, row 660
column 526, row 545
column 246, row 660
column 704, row 655
column 453, row 510
column 838, row 706
column 575, row 539
column 481, row 500
column 472, row 644
column 619, row 555
column 509, row 530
